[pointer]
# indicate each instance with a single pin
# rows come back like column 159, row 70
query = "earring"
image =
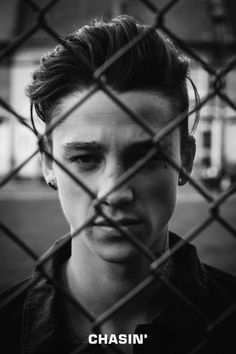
column 53, row 184
column 180, row 181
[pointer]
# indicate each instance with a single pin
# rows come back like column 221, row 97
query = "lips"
column 122, row 222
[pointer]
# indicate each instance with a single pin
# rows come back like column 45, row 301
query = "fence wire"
column 215, row 203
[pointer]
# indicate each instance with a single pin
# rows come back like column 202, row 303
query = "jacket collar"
column 179, row 327
column 178, row 321
column 40, row 309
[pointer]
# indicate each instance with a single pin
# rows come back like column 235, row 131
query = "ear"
column 188, row 150
column 48, row 171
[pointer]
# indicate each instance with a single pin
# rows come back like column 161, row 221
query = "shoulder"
column 11, row 312
column 14, row 297
column 222, row 285
column 27, row 308
column 218, row 288
column 222, row 291
column 220, row 275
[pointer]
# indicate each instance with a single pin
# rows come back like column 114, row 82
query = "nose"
column 119, row 196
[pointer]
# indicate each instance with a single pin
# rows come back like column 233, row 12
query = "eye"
column 86, row 161
column 157, row 157
column 135, row 157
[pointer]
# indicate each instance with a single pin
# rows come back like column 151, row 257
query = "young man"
column 97, row 143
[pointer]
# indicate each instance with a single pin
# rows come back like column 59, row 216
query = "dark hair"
column 153, row 64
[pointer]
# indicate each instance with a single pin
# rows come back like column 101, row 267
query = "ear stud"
column 180, row 181
column 53, row 184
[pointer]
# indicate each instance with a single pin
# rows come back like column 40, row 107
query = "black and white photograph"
column 117, row 176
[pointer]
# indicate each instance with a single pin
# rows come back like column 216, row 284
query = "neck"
column 98, row 283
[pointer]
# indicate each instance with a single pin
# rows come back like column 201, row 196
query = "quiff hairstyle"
column 153, row 64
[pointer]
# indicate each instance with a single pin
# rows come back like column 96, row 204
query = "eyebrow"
column 96, row 147
column 140, row 146
column 91, row 146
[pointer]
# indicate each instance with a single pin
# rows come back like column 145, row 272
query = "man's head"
column 99, row 142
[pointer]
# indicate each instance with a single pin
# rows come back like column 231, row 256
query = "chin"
column 108, row 244
column 117, row 253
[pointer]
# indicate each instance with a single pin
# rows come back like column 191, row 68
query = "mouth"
column 121, row 222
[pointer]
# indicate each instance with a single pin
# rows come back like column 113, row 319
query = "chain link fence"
column 214, row 203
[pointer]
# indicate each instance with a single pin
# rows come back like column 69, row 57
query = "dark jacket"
column 32, row 322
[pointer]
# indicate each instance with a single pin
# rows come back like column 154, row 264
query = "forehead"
column 100, row 115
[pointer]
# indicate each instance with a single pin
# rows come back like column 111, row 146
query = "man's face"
column 98, row 143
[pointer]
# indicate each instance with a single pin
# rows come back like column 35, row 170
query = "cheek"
column 157, row 193
column 76, row 203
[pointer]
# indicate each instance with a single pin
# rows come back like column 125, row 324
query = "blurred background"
column 31, row 209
